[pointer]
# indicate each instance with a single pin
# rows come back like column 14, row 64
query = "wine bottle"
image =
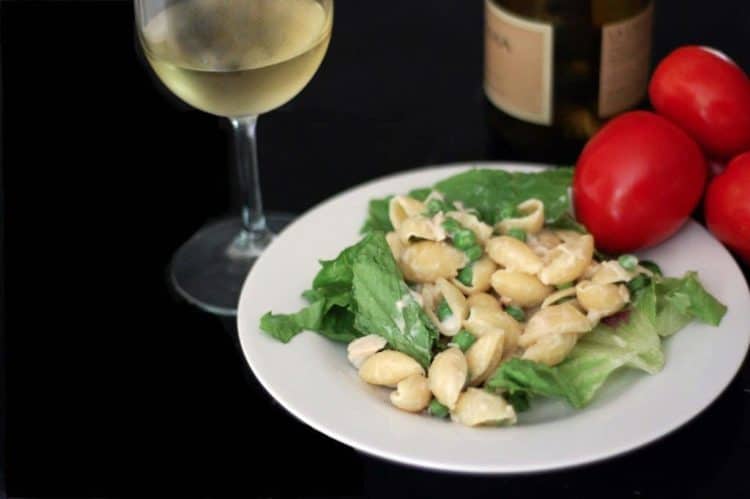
column 555, row 70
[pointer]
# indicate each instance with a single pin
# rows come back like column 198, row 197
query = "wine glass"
column 235, row 59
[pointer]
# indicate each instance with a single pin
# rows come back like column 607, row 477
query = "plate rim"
column 462, row 468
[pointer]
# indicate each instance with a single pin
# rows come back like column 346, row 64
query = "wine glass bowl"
column 235, row 59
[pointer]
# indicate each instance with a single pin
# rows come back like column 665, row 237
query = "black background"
column 115, row 387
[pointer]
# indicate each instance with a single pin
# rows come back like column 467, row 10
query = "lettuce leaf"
column 360, row 292
column 331, row 309
column 377, row 216
column 324, row 316
column 681, row 300
column 659, row 310
column 385, row 305
column 519, row 378
column 487, row 191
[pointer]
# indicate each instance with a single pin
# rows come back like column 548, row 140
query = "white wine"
column 238, row 57
column 555, row 70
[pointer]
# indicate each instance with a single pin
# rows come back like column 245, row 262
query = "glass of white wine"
column 236, row 59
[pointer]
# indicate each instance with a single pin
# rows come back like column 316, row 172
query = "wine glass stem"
column 255, row 234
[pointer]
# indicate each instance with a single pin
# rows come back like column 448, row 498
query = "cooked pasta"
column 552, row 332
column 484, row 356
column 402, row 207
column 412, row 394
column 453, row 302
column 471, row 222
column 518, row 289
column 421, row 227
column 428, row 261
column 394, row 242
column 524, row 290
column 484, row 319
column 601, row 300
column 447, row 376
column 514, row 255
column 481, row 274
column 477, row 407
column 531, row 220
column 568, row 260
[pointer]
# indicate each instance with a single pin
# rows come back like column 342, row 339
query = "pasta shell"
column 402, row 207
column 359, row 350
column 478, row 407
column 542, row 242
column 532, row 220
column 412, row 394
column 388, row 367
column 483, row 300
column 484, row 356
column 427, row 261
column 557, row 296
column 520, row 288
column 569, row 260
column 552, row 349
column 457, row 303
column 444, row 290
column 481, row 271
column 513, row 254
column 611, row 271
column 471, row 222
column 421, row 227
column 601, row 300
column 447, row 376
column 591, row 270
column 555, row 319
column 546, row 238
column 394, row 242
column 484, row 320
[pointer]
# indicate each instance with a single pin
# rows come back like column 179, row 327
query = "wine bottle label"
column 518, row 65
column 625, row 58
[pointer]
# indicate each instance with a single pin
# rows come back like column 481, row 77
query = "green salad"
column 473, row 297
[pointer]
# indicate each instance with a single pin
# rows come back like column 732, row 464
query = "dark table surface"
column 117, row 388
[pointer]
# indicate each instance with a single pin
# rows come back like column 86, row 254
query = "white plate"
column 312, row 378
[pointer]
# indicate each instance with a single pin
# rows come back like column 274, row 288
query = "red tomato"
column 728, row 206
column 707, row 95
column 636, row 181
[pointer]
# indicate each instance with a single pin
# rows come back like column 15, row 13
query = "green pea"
column 464, row 239
column 466, row 275
column 451, row 226
column 437, row 409
column 564, row 285
column 628, row 262
column 464, row 340
column 435, row 206
column 516, row 312
column 517, row 233
column 474, row 253
column 506, row 210
column 443, row 311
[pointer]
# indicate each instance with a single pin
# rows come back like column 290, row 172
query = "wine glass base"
column 208, row 270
